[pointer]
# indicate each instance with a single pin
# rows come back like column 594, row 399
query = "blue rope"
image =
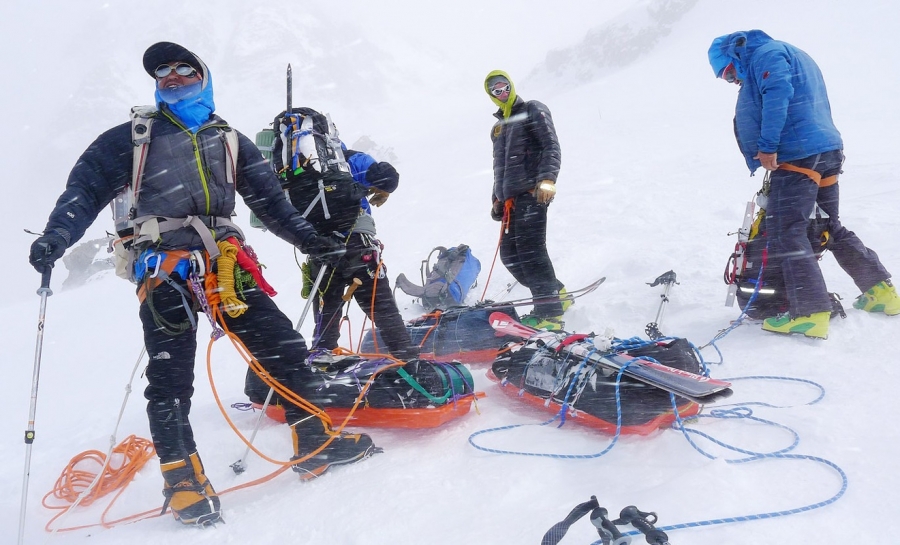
column 752, row 456
column 740, row 319
column 564, row 407
column 738, row 411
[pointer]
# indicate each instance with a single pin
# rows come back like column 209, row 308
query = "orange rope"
column 289, row 395
column 437, row 321
column 504, row 228
column 128, row 457
column 362, row 329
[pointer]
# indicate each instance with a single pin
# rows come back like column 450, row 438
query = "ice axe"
column 667, row 278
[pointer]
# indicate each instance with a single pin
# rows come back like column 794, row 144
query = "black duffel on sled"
column 421, row 394
column 460, row 333
column 546, row 380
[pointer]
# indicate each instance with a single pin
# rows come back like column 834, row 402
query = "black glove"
column 497, row 211
column 324, row 249
column 46, row 250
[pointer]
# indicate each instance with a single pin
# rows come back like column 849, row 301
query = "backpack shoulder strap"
column 141, row 121
column 231, row 151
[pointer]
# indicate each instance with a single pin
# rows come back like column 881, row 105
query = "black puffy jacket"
column 173, row 176
column 526, row 149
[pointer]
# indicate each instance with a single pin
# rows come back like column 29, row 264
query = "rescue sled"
column 544, row 379
column 421, row 394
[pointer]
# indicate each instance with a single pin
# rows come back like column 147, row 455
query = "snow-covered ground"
column 651, row 181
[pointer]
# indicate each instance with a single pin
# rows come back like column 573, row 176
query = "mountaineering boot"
column 189, row 493
column 815, row 325
column 566, row 300
column 346, row 448
column 882, row 297
column 549, row 323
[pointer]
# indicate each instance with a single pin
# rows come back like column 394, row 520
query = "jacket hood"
column 492, row 77
column 737, row 48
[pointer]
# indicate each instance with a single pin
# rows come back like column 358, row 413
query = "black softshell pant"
column 383, row 312
column 263, row 328
column 523, row 250
column 792, row 197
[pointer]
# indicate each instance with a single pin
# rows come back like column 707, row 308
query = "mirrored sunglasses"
column 729, row 74
column 497, row 91
column 182, row 69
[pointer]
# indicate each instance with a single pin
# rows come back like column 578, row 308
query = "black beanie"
column 383, row 176
column 168, row 52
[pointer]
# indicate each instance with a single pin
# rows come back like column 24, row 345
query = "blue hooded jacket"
column 782, row 105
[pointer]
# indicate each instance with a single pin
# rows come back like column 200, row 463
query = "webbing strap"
column 165, row 224
column 811, row 174
column 319, row 197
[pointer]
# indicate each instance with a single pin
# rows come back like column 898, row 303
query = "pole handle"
column 352, row 288
column 45, row 282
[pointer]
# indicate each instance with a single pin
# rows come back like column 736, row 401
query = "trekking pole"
column 609, row 534
column 240, row 466
column 643, row 522
column 667, row 278
column 44, row 292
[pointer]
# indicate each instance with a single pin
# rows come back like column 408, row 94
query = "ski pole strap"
column 555, row 534
column 811, row 174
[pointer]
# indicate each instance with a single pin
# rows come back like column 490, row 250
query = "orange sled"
column 663, row 420
column 431, row 417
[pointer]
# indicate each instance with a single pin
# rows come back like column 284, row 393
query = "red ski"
column 697, row 388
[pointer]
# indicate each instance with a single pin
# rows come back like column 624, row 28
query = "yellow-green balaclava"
column 490, row 81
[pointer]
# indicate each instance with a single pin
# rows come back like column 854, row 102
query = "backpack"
column 742, row 272
column 307, row 155
column 124, row 205
column 455, row 272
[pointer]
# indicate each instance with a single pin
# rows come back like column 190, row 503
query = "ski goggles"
column 497, row 91
column 182, row 69
column 729, row 74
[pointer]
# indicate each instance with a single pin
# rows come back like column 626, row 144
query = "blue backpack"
column 446, row 284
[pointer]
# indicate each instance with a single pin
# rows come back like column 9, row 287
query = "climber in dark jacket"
column 180, row 207
column 526, row 165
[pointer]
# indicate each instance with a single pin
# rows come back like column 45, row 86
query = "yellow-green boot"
column 815, row 325
column 882, row 297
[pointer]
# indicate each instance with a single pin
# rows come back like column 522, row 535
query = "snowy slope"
column 651, row 181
